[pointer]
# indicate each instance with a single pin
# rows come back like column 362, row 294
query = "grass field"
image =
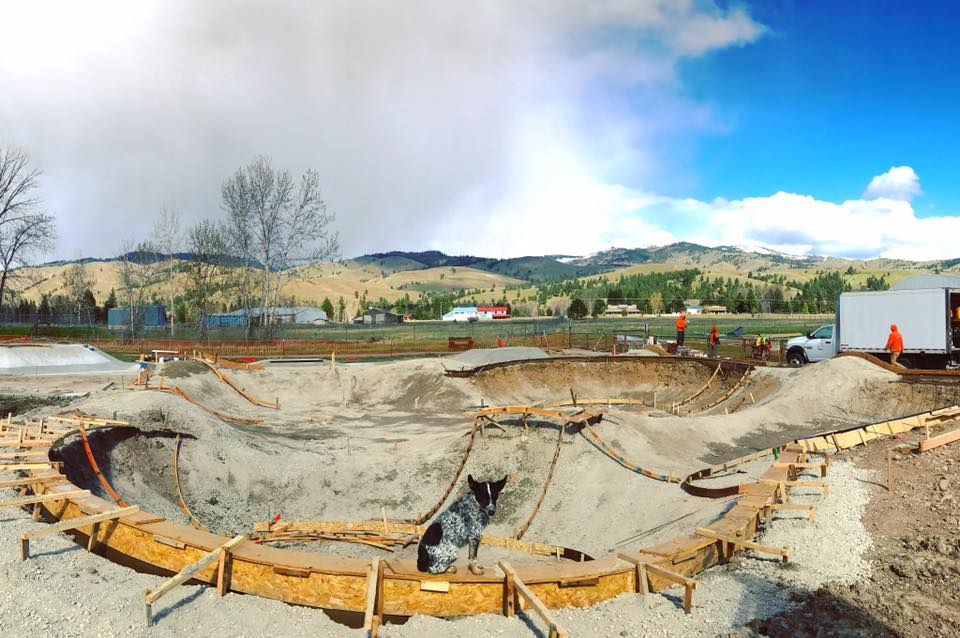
column 430, row 336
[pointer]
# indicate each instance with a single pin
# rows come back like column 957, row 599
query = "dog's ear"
column 498, row 485
column 470, row 481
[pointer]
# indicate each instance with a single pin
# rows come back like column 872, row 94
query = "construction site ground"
column 349, row 441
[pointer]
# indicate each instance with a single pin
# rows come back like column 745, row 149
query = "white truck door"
column 820, row 344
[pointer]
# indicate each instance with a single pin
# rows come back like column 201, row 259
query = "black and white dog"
column 460, row 524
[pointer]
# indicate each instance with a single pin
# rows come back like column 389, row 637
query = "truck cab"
column 816, row 346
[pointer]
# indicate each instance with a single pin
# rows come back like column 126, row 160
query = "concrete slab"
column 60, row 358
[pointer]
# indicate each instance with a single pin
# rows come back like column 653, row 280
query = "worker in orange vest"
column 681, row 328
column 894, row 344
column 713, row 342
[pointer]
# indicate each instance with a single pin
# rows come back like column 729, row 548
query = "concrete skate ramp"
column 477, row 357
column 59, row 358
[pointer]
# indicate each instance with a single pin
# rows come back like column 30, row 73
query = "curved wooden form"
column 143, row 539
column 546, row 485
column 453, row 482
column 220, row 415
column 604, row 447
column 176, row 482
column 96, row 469
column 226, row 363
column 709, row 363
column 233, row 384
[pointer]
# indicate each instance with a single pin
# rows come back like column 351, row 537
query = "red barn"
column 493, row 312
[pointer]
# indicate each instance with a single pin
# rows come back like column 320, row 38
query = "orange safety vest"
column 682, row 323
column 714, row 337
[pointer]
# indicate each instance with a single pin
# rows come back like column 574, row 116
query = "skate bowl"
column 374, row 448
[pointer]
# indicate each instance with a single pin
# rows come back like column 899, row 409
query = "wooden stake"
column 889, row 470
column 383, row 512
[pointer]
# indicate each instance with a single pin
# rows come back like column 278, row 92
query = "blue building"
column 149, row 317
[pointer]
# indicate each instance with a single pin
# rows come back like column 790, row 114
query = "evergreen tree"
column 577, row 309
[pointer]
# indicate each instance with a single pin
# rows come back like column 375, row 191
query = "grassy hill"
column 463, row 278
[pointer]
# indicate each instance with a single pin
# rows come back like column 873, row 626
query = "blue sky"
column 832, row 94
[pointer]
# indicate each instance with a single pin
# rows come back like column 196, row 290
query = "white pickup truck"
column 928, row 319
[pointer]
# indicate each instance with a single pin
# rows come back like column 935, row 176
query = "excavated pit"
column 349, row 441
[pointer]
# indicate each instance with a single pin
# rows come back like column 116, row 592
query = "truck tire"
column 796, row 358
column 906, row 362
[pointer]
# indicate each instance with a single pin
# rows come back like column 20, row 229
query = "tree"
column 166, row 240
column 341, row 310
column 327, row 307
column 111, row 301
column 276, row 222
column 577, row 309
column 656, row 302
column 599, row 307
column 26, row 230
column 208, row 245
column 76, row 283
column 140, row 270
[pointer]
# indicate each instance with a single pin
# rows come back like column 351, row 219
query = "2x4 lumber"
column 823, row 485
column 688, row 583
column 369, row 610
column 33, row 480
column 72, row 523
column 937, row 441
column 37, row 465
column 522, row 590
column 43, row 498
column 811, row 510
column 25, row 443
column 187, row 573
column 783, row 552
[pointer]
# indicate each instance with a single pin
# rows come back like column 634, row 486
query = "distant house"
column 693, row 309
column 379, row 316
column 714, row 310
column 150, row 317
column 462, row 313
column 298, row 315
column 619, row 309
column 493, row 312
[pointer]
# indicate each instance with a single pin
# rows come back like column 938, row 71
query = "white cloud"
column 581, row 217
column 417, row 115
column 900, row 182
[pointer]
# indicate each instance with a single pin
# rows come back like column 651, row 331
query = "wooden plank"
column 191, row 570
column 43, row 498
column 26, row 467
column 688, row 583
column 555, row 630
column 783, row 552
column 370, row 608
column 72, row 523
column 937, row 441
column 33, row 480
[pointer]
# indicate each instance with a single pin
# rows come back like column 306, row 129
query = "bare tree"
column 77, row 283
column 276, row 222
column 166, row 239
column 140, row 270
column 209, row 247
column 26, row 230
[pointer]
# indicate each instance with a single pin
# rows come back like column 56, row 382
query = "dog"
column 460, row 524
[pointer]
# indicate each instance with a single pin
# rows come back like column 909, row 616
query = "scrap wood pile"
column 383, row 534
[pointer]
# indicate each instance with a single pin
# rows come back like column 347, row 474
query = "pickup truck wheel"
column 796, row 358
column 906, row 362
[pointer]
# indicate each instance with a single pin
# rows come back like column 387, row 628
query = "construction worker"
column 681, row 328
column 713, row 342
column 894, row 344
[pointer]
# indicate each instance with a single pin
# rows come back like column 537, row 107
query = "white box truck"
column 928, row 319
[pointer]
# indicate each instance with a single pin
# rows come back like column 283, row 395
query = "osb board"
column 585, row 592
column 403, row 597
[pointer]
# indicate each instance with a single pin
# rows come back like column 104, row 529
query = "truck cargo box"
column 922, row 316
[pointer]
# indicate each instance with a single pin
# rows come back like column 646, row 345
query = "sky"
column 501, row 128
